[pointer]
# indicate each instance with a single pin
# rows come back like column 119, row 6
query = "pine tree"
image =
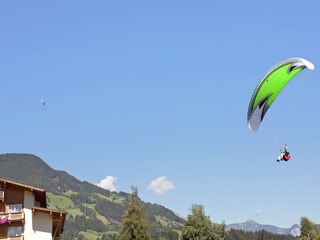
column 309, row 231
column 199, row 226
column 134, row 222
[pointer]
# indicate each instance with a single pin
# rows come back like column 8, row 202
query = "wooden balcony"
column 16, row 216
column 11, row 217
column 1, row 196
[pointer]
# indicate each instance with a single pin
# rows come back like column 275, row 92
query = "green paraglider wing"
column 270, row 86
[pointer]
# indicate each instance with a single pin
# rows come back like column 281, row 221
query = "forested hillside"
column 91, row 210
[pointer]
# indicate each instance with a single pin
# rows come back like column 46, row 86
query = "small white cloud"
column 161, row 185
column 108, row 183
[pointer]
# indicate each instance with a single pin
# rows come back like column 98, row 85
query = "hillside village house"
column 24, row 214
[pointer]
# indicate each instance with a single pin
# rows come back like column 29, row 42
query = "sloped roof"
column 40, row 194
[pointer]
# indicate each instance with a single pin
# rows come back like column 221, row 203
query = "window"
column 14, row 231
column 14, row 208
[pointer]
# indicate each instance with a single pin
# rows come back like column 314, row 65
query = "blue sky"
column 147, row 90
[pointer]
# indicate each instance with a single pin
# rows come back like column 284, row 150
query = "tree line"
column 135, row 225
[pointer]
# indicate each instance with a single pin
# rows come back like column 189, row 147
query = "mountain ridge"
column 253, row 226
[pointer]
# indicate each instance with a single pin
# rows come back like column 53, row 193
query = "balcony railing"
column 2, row 196
column 16, row 216
column 9, row 217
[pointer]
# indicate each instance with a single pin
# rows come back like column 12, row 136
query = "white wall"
column 38, row 225
column 28, row 199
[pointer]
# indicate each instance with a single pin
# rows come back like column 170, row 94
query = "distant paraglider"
column 43, row 103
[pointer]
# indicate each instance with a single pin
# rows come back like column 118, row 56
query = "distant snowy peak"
column 295, row 230
column 253, row 226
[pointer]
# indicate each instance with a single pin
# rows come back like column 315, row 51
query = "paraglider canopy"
column 270, row 86
column 43, row 103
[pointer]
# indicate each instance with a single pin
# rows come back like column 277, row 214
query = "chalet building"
column 24, row 214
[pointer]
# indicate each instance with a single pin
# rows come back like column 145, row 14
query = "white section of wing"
column 255, row 118
column 308, row 64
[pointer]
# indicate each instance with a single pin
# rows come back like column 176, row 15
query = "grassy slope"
column 92, row 235
column 64, row 202
column 59, row 201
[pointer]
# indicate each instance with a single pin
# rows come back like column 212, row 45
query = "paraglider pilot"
column 284, row 155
